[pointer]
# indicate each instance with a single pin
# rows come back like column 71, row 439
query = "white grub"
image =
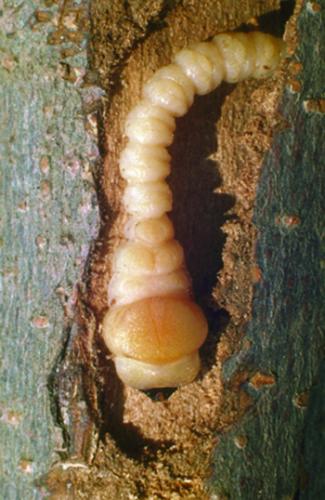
column 153, row 328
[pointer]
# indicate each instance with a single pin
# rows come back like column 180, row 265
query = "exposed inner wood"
column 156, row 448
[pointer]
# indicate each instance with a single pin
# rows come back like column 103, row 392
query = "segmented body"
column 153, row 327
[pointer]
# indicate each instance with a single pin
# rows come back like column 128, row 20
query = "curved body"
column 153, row 328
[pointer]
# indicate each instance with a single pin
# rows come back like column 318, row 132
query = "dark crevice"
column 53, row 387
column 274, row 22
column 198, row 212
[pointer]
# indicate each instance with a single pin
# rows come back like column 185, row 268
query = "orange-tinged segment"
column 156, row 329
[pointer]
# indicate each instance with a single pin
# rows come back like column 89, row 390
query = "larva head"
column 155, row 330
column 269, row 51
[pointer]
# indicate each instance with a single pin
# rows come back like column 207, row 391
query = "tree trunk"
column 247, row 178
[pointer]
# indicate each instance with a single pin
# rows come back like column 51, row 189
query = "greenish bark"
column 283, row 456
column 49, row 217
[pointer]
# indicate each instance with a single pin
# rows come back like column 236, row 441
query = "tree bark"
column 49, row 210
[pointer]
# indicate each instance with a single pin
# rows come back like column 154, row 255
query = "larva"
column 153, row 327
